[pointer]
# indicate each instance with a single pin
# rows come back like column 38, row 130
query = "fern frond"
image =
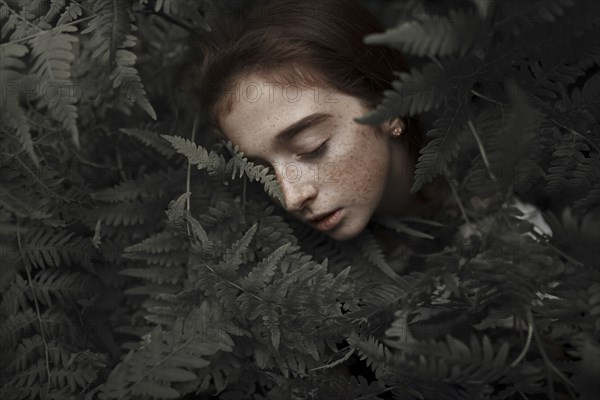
column 174, row 259
column 148, row 186
column 16, row 119
column 420, row 91
column 591, row 199
column 12, row 114
column 371, row 250
column 70, row 13
column 233, row 256
column 167, row 357
column 587, row 351
column 126, row 78
column 19, row 22
column 515, row 18
column 53, row 54
column 197, row 155
column 372, row 350
column 566, row 159
column 126, row 214
column 66, row 287
column 448, row 132
column 162, row 242
column 560, row 68
column 253, row 172
column 113, row 20
column 176, row 211
column 440, row 36
column 26, row 350
column 151, row 139
column 15, row 326
column 49, row 248
column 11, row 64
column 14, row 298
column 173, row 274
column 260, row 275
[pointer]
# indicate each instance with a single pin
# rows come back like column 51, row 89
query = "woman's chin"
column 342, row 236
column 346, row 231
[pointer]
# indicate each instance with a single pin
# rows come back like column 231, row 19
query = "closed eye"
column 319, row 151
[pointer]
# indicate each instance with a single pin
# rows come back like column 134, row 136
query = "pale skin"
column 335, row 163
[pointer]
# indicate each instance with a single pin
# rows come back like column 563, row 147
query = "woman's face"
column 324, row 160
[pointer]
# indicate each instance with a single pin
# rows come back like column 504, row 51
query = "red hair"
column 309, row 43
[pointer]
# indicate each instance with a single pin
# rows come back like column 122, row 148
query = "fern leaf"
column 52, row 53
column 19, row 22
column 260, row 275
column 204, row 245
column 126, row 77
column 160, row 275
column 15, row 298
column 193, row 345
column 443, row 36
column 26, row 351
column 11, row 63
column 176, row 210
column 71, row 13
column 148, row 186
column 420, row 91
column 162, row 242
column 370, row 249
column 566, row 158
column 151, row 139
column 111, row 23
column 127, row 214
column 446, row 136
column 13, row 327
column 233, row 255
column 197, row 155
column 49, row 248
column 254, row 172
column 10, row 110
column 372, row 350
column 517, row 17
column 67, row 287
column 591, row 199
column 17, row 120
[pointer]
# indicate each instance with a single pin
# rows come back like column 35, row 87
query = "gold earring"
column 396, row 131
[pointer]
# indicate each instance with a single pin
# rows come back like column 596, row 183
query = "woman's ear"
column 395, row 126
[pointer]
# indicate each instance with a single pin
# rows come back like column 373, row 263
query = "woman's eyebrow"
column 288, row 134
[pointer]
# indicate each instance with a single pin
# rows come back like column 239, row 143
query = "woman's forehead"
column 260, row 109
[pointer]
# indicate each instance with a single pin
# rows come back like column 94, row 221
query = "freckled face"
column 332, row 163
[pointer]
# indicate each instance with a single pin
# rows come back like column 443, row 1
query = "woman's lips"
column 330, row 221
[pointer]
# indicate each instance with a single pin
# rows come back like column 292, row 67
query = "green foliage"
column 142, row 258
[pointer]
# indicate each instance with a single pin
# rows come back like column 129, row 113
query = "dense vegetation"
column 144, row 258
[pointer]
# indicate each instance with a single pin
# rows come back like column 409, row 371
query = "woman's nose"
column 297, row 187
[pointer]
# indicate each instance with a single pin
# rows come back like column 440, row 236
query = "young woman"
column 284, row 81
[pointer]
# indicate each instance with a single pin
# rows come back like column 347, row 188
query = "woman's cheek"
column 363, row 169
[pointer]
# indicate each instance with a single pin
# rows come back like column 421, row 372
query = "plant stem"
column 481, row 150
column 189, row 171
column 528, row 341
column 37, row 309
